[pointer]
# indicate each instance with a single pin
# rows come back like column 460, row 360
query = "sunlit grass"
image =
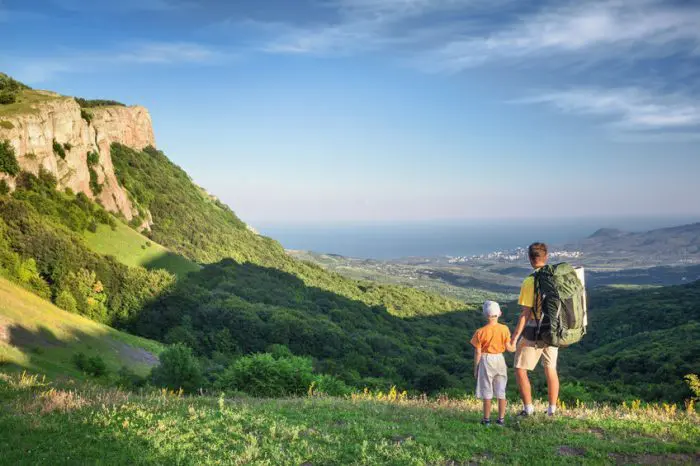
column 36, row 335
column 133, row 249
column 54, row 424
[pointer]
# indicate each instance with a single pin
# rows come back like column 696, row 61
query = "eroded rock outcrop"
column 32, row 133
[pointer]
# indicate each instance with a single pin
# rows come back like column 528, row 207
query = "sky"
column 361, row 111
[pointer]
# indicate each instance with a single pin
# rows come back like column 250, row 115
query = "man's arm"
column 522, row 320
column 477, row 358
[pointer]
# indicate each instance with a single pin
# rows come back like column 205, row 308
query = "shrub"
column 433, row 380
column 66, row 301
column 58, row 149
column 178, row 368
column 693, row 382
column 4, row 188
column 570, row 392
column 7, row 97
column 266, row 376
column 8, row 161
column 329, row 385
column 128, row 379
column 95, row 185
column 6, row 125
column 91, row 365
column 85, row 115
column 93, row 158
column 91, row 103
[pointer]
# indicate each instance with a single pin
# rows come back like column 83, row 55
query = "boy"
column 490, row 369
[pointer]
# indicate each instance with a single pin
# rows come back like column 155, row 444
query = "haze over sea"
column 449, row 238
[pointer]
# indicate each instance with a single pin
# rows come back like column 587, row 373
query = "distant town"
column 513, row 255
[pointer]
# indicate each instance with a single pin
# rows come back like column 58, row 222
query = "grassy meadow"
column 35, row 335
column 84, row 424
column 133, row 249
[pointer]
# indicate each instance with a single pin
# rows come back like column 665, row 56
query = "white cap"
column 492, row 309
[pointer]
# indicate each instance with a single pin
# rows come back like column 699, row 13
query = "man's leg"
column 526, row 358
column 552, row 385
column 549, row 358
column 524, row 385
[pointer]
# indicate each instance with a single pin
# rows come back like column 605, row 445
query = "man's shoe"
column 523, row 413
column 486, row 422
column 501, row 422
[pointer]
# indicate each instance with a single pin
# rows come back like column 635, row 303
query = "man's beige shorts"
column 528, row 355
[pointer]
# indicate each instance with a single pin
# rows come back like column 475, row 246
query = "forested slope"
column 189, row 221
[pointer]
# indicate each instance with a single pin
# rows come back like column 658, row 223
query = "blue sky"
column 326, row 111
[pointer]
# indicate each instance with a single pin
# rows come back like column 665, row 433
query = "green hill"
column 640, row 342
column 133, row 249
column 75, row 425
column 190, row 222
column 37, row 336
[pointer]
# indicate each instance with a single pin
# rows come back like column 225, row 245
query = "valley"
column 136, row 308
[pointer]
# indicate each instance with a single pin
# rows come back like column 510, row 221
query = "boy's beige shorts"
column 528, row 354
column 492, row 377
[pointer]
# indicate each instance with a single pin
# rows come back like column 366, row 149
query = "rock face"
column 32, row 133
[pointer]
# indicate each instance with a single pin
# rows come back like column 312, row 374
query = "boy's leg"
column 501, row 408
column 487, row 408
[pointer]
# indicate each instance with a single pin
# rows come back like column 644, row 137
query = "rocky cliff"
column 53, row 119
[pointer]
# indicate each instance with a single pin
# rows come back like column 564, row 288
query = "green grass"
column 133, row 249
column 26, row 101
column 37, row 336
column 42, row 424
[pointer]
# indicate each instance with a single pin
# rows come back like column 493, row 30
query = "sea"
column 386, row 241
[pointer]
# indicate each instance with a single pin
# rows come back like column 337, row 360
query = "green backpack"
column 560, row 305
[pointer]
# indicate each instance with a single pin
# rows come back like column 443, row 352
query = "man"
column 529, row 352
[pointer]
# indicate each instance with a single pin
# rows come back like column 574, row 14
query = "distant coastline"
column 447, row 239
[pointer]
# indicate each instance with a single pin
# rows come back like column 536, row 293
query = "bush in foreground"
column 91, row 365
column 178, row 369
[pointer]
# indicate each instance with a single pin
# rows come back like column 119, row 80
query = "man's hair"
column 537, row 252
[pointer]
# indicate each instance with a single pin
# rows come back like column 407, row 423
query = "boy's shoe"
column 523, row 413
column 500, row 422
column 486, row 422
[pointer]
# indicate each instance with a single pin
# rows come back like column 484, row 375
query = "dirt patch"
column 400, row 439
column 137, row 355
column 672, row 458
column 480, row 459
column 565, row 450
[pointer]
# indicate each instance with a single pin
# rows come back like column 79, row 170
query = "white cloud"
column 170, row 52
column 364, row 25
column 37, row 70
column 621, row 29
column 632, row 113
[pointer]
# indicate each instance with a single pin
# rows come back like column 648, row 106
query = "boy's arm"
column 477, row 358
column 510, row 346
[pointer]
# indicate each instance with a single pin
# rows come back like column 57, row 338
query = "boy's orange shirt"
column 491, row 338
